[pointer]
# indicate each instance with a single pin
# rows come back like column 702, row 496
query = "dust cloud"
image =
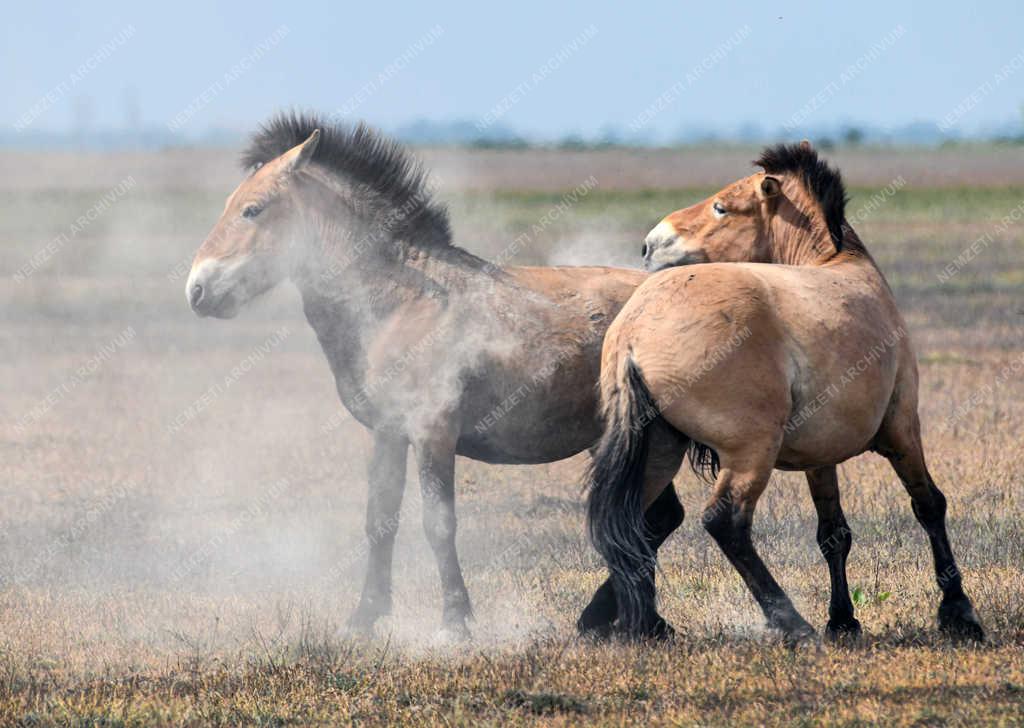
column 195, row 486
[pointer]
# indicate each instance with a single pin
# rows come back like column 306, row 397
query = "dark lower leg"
column 638, row 617
column 384, row 502
column 663, row 517
column 901, row 444
column 437, row 475
column 956, row 613
column 730, row 526
column 834, row 540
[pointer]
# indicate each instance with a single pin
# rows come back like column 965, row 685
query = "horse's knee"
column 439, row 526
column 835, row 538
column 719, row 520
column 381, row 527
column 927, row 501
column 929, row 507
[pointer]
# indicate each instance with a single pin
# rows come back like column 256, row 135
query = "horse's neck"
column 810, row 244
column 342, row 338
column 809, row 249
column 354, row 277
column 349, row 306
column 792, row 246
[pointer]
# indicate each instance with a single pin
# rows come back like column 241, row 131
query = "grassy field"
column 180, row 545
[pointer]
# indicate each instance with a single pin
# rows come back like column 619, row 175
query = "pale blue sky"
column 477, row 54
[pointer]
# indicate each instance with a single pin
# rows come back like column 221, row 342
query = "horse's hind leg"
column 834, row 540
column 665, row 454
column 665, row 450
column 902, row 447
column 728, row 518
column 662, row 517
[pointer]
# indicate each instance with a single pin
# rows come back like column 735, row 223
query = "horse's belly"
column 532, row 432
column 530, row 426
column 838, row 443
column 499, row 452
column 835, row 419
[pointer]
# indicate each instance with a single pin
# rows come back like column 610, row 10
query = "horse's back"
column 603, row 285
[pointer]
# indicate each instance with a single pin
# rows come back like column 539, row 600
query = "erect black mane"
column 821, row 180
column 367, row 158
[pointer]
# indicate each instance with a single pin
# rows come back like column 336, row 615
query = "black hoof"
column 599, row 632
column 454, row 631
column 449, row 635
column 798, row 637
column 596, row 620
column 848, row 631
column 958, row 621
column 793, row 627
column 662, row 631
column 658, row 630
column 360, row 624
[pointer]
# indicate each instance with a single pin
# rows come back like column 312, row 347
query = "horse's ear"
column 771, row 190
column 305, row 152
column 770, row 187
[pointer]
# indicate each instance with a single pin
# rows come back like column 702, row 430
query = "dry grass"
column 201, row 575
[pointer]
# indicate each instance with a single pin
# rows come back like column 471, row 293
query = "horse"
column 431, row 347
column 767, row 337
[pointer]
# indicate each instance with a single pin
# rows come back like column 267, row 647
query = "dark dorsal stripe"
column 366, row 158
column 823, row 182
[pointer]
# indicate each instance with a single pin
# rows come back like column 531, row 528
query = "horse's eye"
column 251, row 211
column 719, row 209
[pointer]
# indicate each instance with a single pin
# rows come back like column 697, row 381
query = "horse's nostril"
column 196, row 294
column 643, row 251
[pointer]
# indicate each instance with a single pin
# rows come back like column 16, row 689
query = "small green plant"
column 862, row 599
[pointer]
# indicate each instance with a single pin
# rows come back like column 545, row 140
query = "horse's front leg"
column 435, row 459
column 386, row 478
column 834, row 540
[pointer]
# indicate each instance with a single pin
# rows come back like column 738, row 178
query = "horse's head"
column 793, row 212
column 248, row 251
column 730, row 227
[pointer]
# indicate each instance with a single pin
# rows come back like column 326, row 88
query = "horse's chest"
column 410, row 378
column 350, row 384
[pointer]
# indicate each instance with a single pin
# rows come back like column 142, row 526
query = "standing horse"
column 430, row 346
column 797, row 366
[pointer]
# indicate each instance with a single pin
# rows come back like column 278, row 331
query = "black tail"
column 615, row 506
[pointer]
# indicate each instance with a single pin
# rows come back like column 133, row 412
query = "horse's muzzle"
column 206, row 292
column 664, row 247
column 652, row 265
column 195, row 295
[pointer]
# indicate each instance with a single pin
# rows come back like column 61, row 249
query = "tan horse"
column 798, row 365
column 430, row 346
